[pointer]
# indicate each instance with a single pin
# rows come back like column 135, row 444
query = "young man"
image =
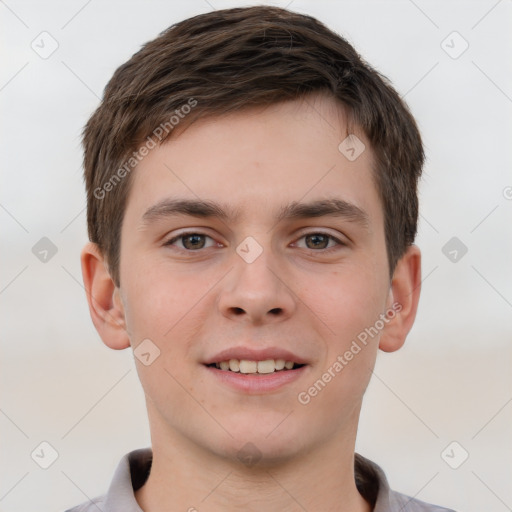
column 252, row 207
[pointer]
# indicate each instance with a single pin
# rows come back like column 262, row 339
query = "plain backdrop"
column 450, row 383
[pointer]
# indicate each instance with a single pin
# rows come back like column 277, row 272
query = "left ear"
column 404, row 295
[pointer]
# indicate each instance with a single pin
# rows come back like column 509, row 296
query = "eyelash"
column 327, row 250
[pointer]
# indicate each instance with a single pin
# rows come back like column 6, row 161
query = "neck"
column 190, row 478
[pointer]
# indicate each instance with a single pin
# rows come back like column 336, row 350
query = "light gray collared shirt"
column 134, row 468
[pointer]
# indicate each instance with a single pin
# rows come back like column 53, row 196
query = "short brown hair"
column 229, row 60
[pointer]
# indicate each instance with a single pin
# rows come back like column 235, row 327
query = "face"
column 289, row 263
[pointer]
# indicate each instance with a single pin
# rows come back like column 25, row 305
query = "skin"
column 295, row 295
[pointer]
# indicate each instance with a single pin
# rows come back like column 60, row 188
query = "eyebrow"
column 171, row 207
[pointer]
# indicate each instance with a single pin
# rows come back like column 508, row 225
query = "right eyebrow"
column 196, row 208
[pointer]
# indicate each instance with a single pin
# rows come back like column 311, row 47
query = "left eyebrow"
column 322, row 208
column 295, row 210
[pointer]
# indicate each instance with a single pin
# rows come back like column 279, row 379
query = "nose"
column 257, row 292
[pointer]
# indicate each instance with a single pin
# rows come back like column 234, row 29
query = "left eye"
column 319, row 240
column 192, row 241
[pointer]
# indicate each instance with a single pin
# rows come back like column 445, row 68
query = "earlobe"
column 403, row 300
column 105, row 304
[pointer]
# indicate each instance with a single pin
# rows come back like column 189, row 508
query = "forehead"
column 259, row 161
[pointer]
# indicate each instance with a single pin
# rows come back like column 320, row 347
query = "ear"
column 105, row 304
column 404, row 295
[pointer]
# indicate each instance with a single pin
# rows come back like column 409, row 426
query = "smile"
column 255, row 367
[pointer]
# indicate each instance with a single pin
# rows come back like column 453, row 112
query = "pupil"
column 317, row 237
column 194, row 244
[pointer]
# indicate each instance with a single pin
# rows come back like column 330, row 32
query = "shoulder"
column 130, row 474
column 89, row 506
column 374, row 487
column 405, row 503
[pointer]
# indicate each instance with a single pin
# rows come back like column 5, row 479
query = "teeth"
column 267, row 366
column 246, row 366
column 280, row 364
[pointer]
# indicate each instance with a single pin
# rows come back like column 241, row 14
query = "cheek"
column 166, row 311
column 159, row 306
column 346, row 301
column 346, row 305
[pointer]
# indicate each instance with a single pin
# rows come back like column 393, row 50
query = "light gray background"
column 450, row 382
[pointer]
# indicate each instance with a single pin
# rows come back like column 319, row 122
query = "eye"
column 190, row 240
column 320, row 240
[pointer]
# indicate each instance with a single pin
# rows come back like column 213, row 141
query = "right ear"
column 105, row 304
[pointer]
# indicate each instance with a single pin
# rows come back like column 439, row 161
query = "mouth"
column 253, row 367
column 256, row 371
column 256, row 376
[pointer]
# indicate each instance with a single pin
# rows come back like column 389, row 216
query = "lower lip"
column 262, row 383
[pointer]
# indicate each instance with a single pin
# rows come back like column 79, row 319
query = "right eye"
column 190, row 241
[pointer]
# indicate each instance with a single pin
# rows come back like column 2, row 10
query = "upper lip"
column 252, row 354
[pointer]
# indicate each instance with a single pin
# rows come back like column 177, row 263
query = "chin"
column 258, row 454
column 267, row 443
